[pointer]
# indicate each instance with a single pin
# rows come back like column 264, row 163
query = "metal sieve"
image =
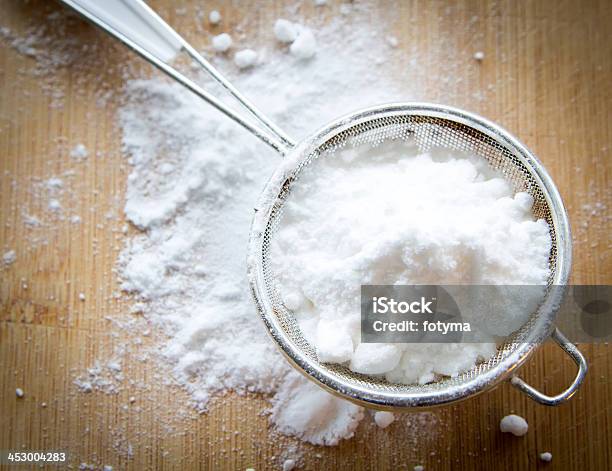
column 430, row 126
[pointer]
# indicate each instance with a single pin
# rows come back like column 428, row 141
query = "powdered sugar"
column 399, row 217
column 514, row 424
column 9, row 257
column 214, row 17
column 303, row 409
column 546, row 456
column 383, row 419
column 305, row 46
column 101, row 377
column 79, row 152
column 285, row 31
column 222, row 42
column 245, row 58
column 195, row 177
column 54, row 205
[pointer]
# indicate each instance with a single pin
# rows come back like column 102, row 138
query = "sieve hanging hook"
column 576, row 356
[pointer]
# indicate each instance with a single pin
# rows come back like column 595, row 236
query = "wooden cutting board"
column 546, row 77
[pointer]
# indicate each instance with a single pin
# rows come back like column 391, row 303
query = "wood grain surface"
column 546, row 77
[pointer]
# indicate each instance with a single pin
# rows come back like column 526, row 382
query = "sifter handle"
column 135, row 24
column 136, row 21
column 578, row 358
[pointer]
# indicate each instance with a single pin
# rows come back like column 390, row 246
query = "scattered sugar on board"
column 54, row 205
column 546, row 456
column 305, row 45
column 462, row 223
column 214, row 17
column 392, row 41
column 79, row 152
column 19, row 392
column 304, row 409
column 514, row 424
column 222, row 42
column 383, row 418
column 245, row 58
column 9, row 257
column 285, row 31
column 55, row 40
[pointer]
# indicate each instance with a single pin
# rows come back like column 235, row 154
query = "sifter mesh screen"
column 428, row 132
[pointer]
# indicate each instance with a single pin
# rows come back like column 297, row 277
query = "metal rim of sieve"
column 376, row 392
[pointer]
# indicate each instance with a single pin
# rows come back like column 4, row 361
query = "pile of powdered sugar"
column 390, row 214
column 194, row 181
